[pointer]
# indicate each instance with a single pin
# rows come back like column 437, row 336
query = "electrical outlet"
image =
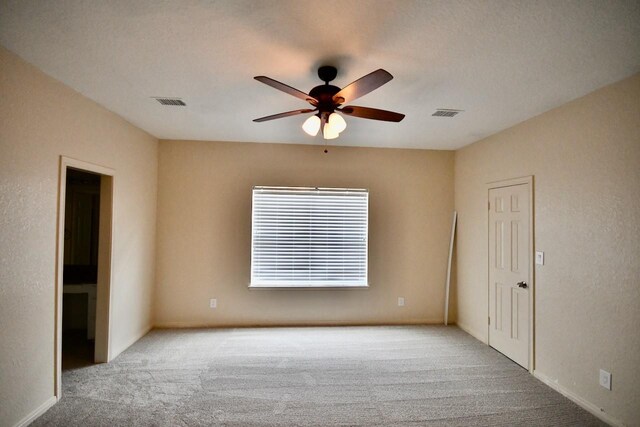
column 539, row 258
column 400, row 301
column 605, row 379
column 213, row 303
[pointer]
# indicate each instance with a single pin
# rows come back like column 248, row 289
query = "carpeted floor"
column 364, row 376
column 77, row 350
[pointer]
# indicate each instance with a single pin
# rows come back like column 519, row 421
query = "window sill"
column 305, row 287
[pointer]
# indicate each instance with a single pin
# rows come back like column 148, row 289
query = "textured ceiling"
column 501, row 62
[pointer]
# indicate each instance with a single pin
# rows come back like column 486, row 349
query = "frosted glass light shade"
column 329, row 132
column 337, row 123
column 312, row 125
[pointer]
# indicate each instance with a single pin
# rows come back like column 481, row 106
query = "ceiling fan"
column 327, row 100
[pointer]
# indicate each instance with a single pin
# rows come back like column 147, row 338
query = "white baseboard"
column 37, row 412
column 583, row 403
column 197, row 325
column 132, row 341
column 471, row 332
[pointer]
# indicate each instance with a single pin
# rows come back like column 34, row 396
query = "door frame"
column 105, row 250
column 528, row 180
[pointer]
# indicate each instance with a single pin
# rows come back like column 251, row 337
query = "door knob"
column 522, row 285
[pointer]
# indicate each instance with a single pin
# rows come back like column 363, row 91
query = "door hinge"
column 488, row 205
column 489, row 319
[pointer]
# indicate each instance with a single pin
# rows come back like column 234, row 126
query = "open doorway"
column 83, row 278
column 80, row 270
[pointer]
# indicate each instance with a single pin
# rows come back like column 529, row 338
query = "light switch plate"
column 539, row 258
column 400, row 301
column 213, row 303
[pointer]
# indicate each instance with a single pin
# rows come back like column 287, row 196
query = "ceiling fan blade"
column 372, row 113
column 287, row 89
column 281, row 115
column 362, row 86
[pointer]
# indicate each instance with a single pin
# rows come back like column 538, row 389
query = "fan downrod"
column 327, row 73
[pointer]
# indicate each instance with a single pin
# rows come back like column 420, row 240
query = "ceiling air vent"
column 171, row 101
column 446, row 112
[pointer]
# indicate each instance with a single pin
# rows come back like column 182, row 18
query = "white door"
column 509, row 263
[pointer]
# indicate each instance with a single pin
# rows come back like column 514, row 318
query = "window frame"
column 310, row 284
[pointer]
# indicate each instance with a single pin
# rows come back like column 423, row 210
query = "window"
column 309, row 237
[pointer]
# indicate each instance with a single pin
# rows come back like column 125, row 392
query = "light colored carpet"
column 364, row 376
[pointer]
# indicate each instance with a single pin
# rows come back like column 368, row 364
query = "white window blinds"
column 309, row 237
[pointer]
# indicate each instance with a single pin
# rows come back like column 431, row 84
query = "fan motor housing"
column 324, row 95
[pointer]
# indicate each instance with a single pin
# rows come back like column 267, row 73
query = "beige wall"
column 585, row 157
column 204, row 233
column 42, row 119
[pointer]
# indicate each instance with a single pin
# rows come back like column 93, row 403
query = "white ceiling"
column 501, row 62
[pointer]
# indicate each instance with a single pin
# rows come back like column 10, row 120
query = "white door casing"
column 510, row 284
column 102, row 351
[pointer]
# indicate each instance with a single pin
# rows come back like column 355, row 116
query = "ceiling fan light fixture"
column 329, row 132
column 337, row 123
column 312, row 125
